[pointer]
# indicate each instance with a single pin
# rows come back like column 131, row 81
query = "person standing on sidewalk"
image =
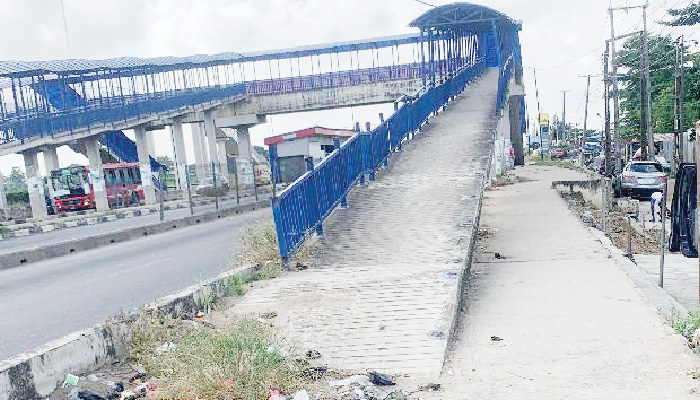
column 657, row 201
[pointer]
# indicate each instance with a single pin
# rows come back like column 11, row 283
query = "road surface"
column 78, row 232
column 46, row 300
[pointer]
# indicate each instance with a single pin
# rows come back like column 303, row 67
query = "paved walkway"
column 384, row 295
column 680, row 276
column 573, row 324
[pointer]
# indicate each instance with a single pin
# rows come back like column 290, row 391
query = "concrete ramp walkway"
column 573, row 324
column 385, row 294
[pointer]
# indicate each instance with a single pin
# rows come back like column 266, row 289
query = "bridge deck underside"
column 385, row 292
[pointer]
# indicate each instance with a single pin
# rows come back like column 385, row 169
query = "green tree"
column 16, row 181
column 263, row 151
column 686, row 16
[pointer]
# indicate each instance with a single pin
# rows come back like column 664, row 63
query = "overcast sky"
column 562, row 39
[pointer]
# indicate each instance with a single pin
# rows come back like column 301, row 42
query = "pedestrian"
column 657, row 201
column 511, row 157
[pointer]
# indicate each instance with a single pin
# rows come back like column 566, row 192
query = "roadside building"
column 294, row 147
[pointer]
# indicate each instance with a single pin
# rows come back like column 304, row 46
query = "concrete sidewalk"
column 385, row 293
column 572, row 322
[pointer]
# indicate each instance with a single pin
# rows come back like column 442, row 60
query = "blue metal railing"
column 303, row 206
column 81, row 114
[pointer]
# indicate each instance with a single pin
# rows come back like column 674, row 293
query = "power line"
column 65, row 29
column 427, row 4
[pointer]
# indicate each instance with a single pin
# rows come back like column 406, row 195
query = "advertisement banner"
column 146, row 179
column 97, row 180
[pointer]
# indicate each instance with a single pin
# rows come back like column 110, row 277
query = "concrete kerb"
column 655, row 296
column 37, row 373
column 24, row 257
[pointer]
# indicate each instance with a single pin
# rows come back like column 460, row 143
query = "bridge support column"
column 244, row 161
column 35, row 185
column 210, row 130
column 97, row 175
column 50, row 164
column 223, row 157
column 179, row 152
column 3, row 194
column 516, row 134
column 200, row 151
column 151, row 143
column 142, row 148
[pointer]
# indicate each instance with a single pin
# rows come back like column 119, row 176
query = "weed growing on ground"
column 242, row 361
column 686, row 325
column 206, row 297
column 257, row 245
column 235, row 285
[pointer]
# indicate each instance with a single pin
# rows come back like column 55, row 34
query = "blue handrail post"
column 281, row 237
column 274, row 166
column 314, row 188
column 344, row 198
column 362, row 155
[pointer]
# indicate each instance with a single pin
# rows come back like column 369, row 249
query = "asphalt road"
column 78, row 232
column 46, row 300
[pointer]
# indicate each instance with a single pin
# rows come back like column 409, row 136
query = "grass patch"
column 257, row 245
column 242, row 361
column 686, row 325
column 236, row 284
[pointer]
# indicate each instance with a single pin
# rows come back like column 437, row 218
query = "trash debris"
column 91, row 378
column 360, row 380
column 300, row 395
column 313, row 354
column 275, row 394
column 268, row 315
column 301, row 266
column 71, row 380
column 437, row 334
column 128, row 395
column 496, row 339
column 141, row 376
column 380, row 379
column 315, row 372
column 396, row 396
column 431, row 387
column 88, row 395
column 499, row 256
column 165, row 348
column 229, row 383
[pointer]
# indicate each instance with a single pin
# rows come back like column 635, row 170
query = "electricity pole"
column 616, row 97
column 678, row 107
column 647, row 135
column 606, row 91
column 585, row 112
column 564, row 131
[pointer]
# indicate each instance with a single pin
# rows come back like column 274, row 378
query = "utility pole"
column 585, row 111
column 678, row 107
column 606, row 91
column 616, row 98
column 647, row 135
column 564, row 132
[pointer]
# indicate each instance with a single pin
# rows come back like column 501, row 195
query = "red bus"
column 73, row 191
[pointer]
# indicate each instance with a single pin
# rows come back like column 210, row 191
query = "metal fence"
column 303, row 206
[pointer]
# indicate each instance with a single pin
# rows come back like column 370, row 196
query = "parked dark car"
column 558, row 152
column 683, row 212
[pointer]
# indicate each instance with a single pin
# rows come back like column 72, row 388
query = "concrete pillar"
column 142, row 148
column 50, row 164
column 179, row 152
column 246, row 175
column 222, row 156
column 151, row 143
column 97, row 175
column 35, row 186
column 200, row 151
column 210, row 129
column 3, row 193
column 516, row 134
